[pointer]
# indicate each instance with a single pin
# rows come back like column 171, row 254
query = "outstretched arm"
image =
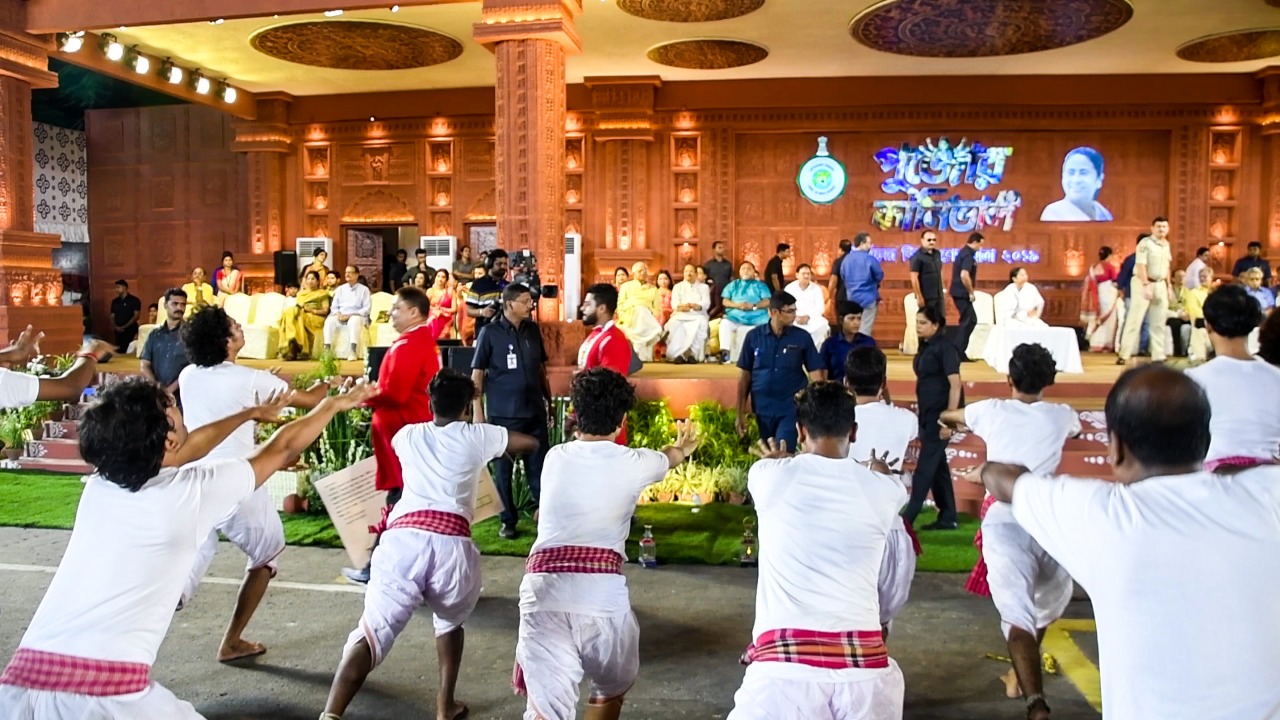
column 201, row 441
column 999, row 479
column 289, row 441
column 70, row 385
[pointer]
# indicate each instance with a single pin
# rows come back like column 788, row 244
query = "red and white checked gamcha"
column 826, row 650
column 441, row 523
column 575, row 559
column 1237, row 461
column 37, row 670
column 977, row 582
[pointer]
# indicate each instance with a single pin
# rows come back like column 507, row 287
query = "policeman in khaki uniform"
column 1149, row 290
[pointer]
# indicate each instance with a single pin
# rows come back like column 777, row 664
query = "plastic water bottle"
column 697, row 503
column 648, row 549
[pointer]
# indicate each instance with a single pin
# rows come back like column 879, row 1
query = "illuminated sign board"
column 822, row 178
column 984, row 256
column 927, row 175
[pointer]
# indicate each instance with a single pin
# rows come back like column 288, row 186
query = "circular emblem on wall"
column 357, row 45
column 822, row 179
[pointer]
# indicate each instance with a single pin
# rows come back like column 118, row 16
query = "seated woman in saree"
column 302, row 323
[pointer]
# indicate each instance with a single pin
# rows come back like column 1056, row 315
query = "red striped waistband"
column 38, row 670
column 827, row 650
column 1237, row 461
column 575, row 559
column 436, row 521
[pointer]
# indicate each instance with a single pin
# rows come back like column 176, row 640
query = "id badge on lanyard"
column 511, row 357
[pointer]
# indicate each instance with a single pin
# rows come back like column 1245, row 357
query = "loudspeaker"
column 551, row 292
column 459, row 358
column 373, row 362
column 286, row 262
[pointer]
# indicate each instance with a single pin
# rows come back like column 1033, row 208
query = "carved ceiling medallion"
column 1233, row 46
column 357, row 45
column 985, row 28
column 689, row 11
column 708, row 54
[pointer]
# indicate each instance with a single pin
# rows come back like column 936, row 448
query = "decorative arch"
column 379, row 205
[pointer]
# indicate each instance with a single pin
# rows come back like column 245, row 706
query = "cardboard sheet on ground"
column 354, row 503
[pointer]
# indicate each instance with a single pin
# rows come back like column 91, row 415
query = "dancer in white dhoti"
column 688, row 327
column 1022, row 301
column 575, row 612
column 884, row 428
column 638, row 312
column 212, row 387
column 811, row 305
column 1180, row 563
column 87, row 653
column 1029, row 588
column 818, row 649
column 426, row 556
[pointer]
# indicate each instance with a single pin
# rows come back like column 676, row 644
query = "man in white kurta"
column 1180, row 563
column 1029, row 588
column 350, row 308
column 425, row 555
column 688, row 328
column 638, row 311
column 818, row 649
column 575, row 611
column 811, row 305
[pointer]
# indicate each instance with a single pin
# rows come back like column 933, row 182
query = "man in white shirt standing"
column 212, row 387
column 351, row 306
column 1029, row 588
column 884, row 428
column 688, row 328
column 89, row 649
column 811, row 305
column 1179, row 562
column 824, row 519
column 1244, row 391
column 1201, row 261
column 575, row 612
column 426, row 556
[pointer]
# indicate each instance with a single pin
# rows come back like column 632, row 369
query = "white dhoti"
column 643, row 331
column 731, row 337
column 687, row 332
column 818, row 328
column 1029, row 588
column 154, row 703
column 774, row 693
column 411, row 568
column 355, row 331
column 556, row 650
column 897, row 570
column 253, row 526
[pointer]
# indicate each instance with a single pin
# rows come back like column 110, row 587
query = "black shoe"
column 508, row 531
column 679, row 360
column 359, row 577
column 939, row 525
column 1120, row 361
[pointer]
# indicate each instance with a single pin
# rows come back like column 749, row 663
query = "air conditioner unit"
column 441, row 251
column 308, row 247
column 572, row 275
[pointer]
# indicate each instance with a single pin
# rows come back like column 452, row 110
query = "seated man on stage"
column 351, row 306
column 746, row 303
column 638, row 311
column 811, row 305
column 824, row 522
column 1022, row 302
column 688, row 327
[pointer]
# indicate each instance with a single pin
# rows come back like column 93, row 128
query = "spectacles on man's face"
column 931, row 239
column 526, row 300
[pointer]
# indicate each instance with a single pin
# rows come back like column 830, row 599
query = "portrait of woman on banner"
column 1082, row 176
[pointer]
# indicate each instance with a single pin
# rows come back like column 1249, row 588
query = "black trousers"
column 1175, row 326
column 505, row 465
column 932, row 474
column 126, row 336
column 968, row 321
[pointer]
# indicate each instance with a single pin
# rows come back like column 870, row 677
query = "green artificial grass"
column 710, row 537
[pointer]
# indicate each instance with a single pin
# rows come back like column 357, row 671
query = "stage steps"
column 57, row 451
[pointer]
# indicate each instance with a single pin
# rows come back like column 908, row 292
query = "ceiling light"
column 112, row 47
column 332, row 13
column 226, row 92
column 200, row 83
column 219, row 21
column 372, row 119
column 170, row 73
column 136, row 60
column 71, row 42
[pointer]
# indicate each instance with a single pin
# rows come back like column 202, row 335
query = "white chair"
column 984, row 308
column 910, row 341
column 143, row 332
column 383, row 334
column 239, row 307
column 262, row 334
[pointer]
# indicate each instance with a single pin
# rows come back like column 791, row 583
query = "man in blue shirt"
column 861, row 273
column 837, row 347
column 1122, row 287
column 745, row 301
column 774, row 361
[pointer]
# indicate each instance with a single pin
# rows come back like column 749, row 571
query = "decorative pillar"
column 1270, row 78
column 30, row 287
column 530, row 39
column 266, row 143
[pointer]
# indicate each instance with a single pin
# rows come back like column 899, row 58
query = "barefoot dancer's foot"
column 1038, row 709
column 1011, row 684
column 457, row 712
column 240, row 650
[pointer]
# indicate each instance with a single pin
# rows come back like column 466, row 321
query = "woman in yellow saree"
column 303, row 322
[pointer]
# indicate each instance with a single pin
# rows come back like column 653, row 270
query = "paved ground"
column 694, row 623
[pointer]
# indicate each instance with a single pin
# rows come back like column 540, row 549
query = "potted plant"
column 667, row 488
column 733, row 483
column 11, row 434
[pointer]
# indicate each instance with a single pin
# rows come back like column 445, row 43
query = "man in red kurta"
column 606, row 345
column 406, row 372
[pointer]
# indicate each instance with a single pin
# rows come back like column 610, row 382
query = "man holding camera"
column 484, row 296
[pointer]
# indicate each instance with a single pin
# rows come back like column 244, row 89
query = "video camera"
column 524, row 270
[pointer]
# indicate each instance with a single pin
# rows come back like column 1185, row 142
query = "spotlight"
column 200, row 83
column 226, row 92
column 112, row 47
column 136, row 60
column 395, row 8
column 71, row 42
column 332, row 13
column 170, row 72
